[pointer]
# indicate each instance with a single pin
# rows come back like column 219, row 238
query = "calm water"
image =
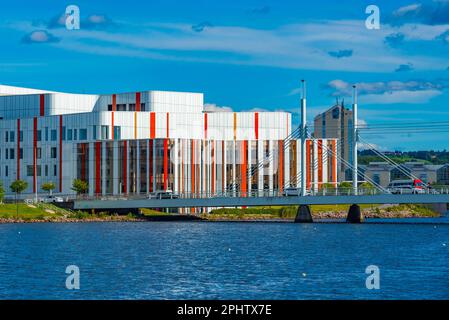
column 167, row 260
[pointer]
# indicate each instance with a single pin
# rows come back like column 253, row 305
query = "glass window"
column 75, row 134
column 6, row 136
column 63, row 134
column 70, row 134
column 46, row 133
column 132, row 107
column 21, row 153
column 11, row 153
column 53, row 152
column 109, row 107
column 94, row 132
column 104, row 132
column 39, row 135
column 117, row 132
column 54, row 135
column 11, row 136
column 30, row 171
column 21, row 135
column 83, row 134
column 38, row 153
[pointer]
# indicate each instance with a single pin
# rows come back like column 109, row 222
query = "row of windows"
column 127, row 107
column 68, row 134
column 30, row 171
column 10, row 153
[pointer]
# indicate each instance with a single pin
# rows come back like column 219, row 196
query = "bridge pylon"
column 304, row 214
column 355, row 215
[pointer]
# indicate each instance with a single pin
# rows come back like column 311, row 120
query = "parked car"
column 167, row 194
column 293, row 192
column 415, row 186
column 51, row 199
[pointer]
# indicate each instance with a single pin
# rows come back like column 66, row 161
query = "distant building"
column 337, row 123
column 383, row 173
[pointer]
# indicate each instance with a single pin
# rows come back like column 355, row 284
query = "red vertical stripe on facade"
column 308, row 155
column 60, row 153
column 34, row 153
column 244, row 188
column 151, row 165
column 18, row 149
column 137, row 101
column 42, row 105
column 205, row 126
column 165, row 164
column 320, row 163
column 98, row 167
column 281, row 165
column 152, row 125
column 125, row 166
column 256, row 125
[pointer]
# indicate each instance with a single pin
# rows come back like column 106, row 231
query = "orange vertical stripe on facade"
column 137, row 101
column 97, row 167
column 34, row 153
column 244, row 188
column 42, row 105
column 60, row 153
column 320, row 163
column 308, row 155
column 165, row 164
column 256, row 125
column 281, row 165
column 125, row 166
column 18, row 149
column 152, row 125
column 235, row 126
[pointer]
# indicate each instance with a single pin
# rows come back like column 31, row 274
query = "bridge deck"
column 261, row 201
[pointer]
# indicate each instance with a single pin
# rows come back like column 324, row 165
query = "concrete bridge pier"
column 304, row 214
column 355, row 214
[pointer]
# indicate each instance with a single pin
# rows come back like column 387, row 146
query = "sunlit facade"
column 143, row 142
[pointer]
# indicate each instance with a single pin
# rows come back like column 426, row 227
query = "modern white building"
column 142, row 142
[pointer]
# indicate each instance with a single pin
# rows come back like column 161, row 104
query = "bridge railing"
column 338, row 191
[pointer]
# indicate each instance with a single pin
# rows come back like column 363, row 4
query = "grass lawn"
column 28, row 212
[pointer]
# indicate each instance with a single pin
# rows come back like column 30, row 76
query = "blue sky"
column 243, row 55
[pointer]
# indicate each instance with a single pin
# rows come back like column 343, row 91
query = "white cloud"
column 296, row 46
column 402, row 96
column 211, row 107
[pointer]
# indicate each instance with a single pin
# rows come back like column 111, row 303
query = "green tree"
column 80, row 186
column 18, row 186
column 2, row 192
column 345, row 185
column 49, row 187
